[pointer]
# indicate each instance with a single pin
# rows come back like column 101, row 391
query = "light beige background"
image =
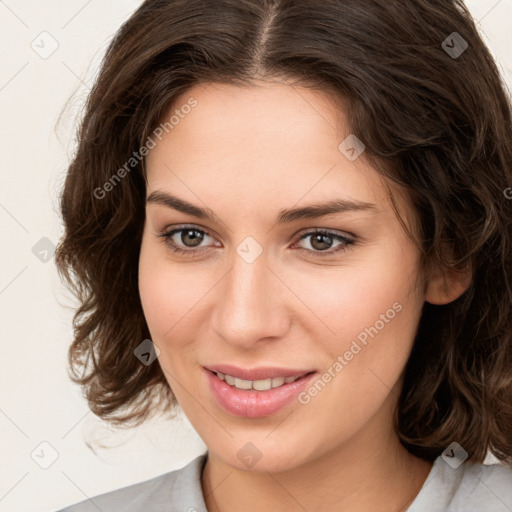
column 38, row 403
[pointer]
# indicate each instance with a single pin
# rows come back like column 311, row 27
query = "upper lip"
column 260, row 373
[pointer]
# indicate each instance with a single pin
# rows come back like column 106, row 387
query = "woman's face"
column 254, row 293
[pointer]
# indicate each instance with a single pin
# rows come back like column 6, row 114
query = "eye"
column 190, row 236
column 186, row 241
column 322, row 240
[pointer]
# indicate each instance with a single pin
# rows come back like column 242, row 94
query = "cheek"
column 171, row 295
column 374, row 311
column 364, row 359
column 369, row 315
column 166, row 299
column 158, row 282
column 348, row 300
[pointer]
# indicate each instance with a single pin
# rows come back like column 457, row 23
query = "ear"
column 445, row 287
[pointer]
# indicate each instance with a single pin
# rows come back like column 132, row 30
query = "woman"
column 290, row 219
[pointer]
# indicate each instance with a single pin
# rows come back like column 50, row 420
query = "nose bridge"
column 247, row 308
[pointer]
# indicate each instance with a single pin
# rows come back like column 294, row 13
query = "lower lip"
column 255, row 404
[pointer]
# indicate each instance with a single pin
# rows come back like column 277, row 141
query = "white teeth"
column 262, row 385
column 277, row 381
column 258, row 385
column 243, row 384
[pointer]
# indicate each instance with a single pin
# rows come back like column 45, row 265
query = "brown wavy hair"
column 436, row 123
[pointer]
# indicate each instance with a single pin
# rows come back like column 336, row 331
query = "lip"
column 260, row 373
column 255, row 404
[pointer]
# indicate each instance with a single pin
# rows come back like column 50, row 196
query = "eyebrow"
column 311, row 211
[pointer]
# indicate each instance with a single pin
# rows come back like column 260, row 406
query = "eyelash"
column 346, row 241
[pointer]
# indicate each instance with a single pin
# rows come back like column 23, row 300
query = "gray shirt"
column 468, row 488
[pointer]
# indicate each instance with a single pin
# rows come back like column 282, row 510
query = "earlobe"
column 445, row 287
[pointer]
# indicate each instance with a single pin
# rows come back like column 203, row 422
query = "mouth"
column 259, row 373
column 258, row 385
column 257, row 397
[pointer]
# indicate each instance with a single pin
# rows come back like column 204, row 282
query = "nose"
column 251, row 304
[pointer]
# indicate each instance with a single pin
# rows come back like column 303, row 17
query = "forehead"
column 271, row 144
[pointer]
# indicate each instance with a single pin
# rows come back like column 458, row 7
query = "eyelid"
column 303, row 231
column 182, row 227
column 345, row 234
column 342, row 236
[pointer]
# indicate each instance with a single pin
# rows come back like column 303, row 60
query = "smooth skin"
column 247, row 153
